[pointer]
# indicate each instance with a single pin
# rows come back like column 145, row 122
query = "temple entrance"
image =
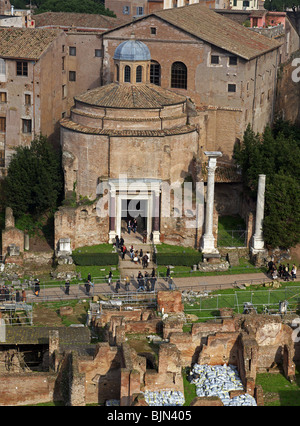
column 134, row 209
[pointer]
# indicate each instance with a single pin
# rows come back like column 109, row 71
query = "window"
column 2, row 124
column 22, row 68
column 127, row 74
column 63, row 63
column 72, row 75
column 98, row 53
column 139, row 74
column 214, row 59
column 117, row 73
column 155, row 73
column 3, row 97
column 140, row 11
column 246, row 3
column 232, row 60
column 126, row 10
column 232, row 88
column 2, row 66
column 153, row 30
column 179, row 75
column 72, row 51
column 234, row 3
column 26, row 126
column 28, row 100
column 64, row 91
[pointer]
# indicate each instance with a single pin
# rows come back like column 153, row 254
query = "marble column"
column 208, row 241
column 112, row 216
column 155, row 230
column 258, row 239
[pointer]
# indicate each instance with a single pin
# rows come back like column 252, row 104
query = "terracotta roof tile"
column 218, row 30
column 25, row 43
column 77, row 20
column 126, row 95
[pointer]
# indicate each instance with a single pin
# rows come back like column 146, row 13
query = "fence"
column 232, row 238
column 207, row 306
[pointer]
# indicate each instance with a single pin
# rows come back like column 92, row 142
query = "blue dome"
column 132, row 50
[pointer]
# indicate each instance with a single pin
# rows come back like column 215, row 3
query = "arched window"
column 179, row 75
column 117, row 72
column 127, row 74
column 155, row 73
column 139, row 74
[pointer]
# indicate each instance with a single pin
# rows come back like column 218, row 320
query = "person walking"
column 67, row 287
column 37, row 288
column 24, row 299
column 109, row 277
column 118, row 286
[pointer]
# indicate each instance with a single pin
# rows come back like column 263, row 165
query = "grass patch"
column 189, row 389
column 278, row 391
column 168, row 248
column 98, row 248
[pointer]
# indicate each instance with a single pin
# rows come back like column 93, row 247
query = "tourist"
column 134, row 225
column 171, row 284
column 168, row 272
column 145, row 261
column 127, row 283
column 131, row 253
column 117, row 239
column 144, row 237
column 89, row 278
column 129, row 226
column 140, row 280
column 18, row 297
column 121, row 242
column 294, row 272
column 124, row 250
column 87, row 288
column 24, row 295
column 67, row 287
column 141, row 253
column 37, row 288
column 118, row 286
column 109, row 277
column 148, row 257
column 274, row 273
column 286, row 275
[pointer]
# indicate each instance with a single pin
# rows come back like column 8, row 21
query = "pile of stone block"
column 219, row 380
column 164, row 398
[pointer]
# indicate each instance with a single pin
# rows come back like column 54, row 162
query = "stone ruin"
column 118, row 370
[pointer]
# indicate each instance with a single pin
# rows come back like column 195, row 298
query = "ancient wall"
column 26, row 389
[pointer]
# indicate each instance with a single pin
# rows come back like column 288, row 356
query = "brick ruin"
column 115, row 369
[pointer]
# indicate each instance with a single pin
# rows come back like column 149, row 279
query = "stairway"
column 126, row 266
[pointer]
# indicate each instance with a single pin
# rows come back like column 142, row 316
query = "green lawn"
column 278, row 391
column 259, row 296
column 99, row 248
column 168, row 248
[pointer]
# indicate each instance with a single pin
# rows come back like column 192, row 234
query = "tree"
column 275, row 153
column 34, row 180
column 78, row 6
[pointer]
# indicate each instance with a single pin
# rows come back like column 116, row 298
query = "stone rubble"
column 218, row 381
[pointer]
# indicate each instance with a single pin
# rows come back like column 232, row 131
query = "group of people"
column 132, row 226
column 10, row 294
column 282, row 271
column 146, row 282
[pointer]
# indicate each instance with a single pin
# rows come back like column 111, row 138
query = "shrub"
column 178, row 259
column 95, row 259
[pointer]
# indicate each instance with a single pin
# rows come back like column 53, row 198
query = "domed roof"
column 132, row 50
column 143, row 96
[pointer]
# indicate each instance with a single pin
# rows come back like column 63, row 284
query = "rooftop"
column 218, row 30
column 126, row 95
column 77, row 20
column 25, row 43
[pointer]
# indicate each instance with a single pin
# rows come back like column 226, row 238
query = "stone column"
column 112, row 216
column 208, row 242
column 155, row 230
column 168, row 4
column 258, row 239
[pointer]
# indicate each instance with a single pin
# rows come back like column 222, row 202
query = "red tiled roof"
column 25, row 43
